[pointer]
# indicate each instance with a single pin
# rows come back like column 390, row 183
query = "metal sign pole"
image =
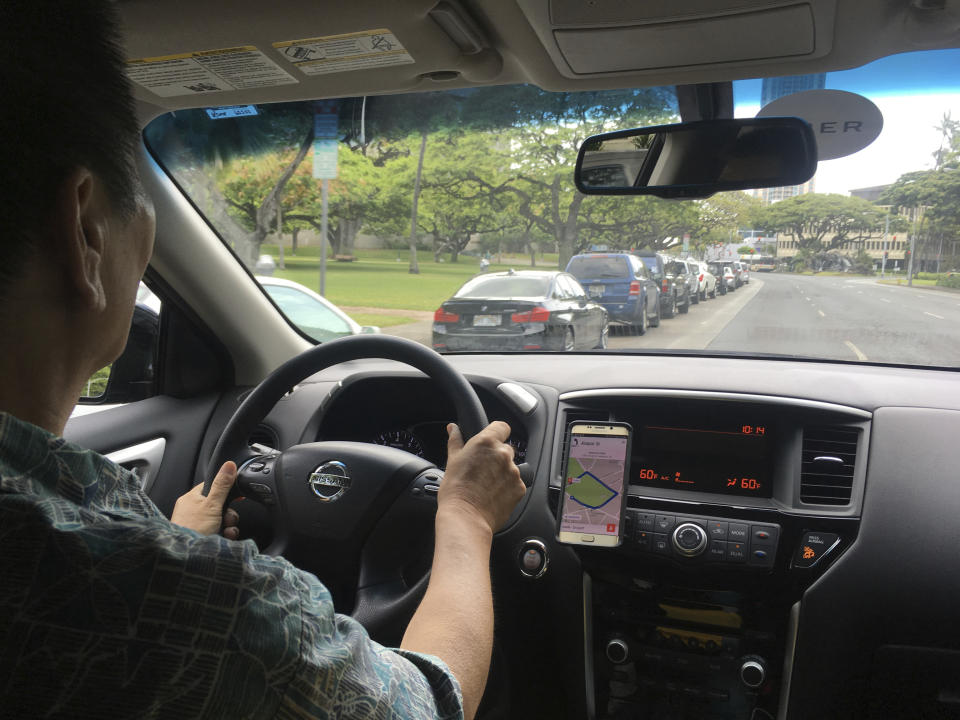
column 324, row 189
column 883, row 256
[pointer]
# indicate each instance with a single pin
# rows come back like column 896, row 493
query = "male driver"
column 107, row 609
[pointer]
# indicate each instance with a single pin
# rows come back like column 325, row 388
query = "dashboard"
column 783, row 544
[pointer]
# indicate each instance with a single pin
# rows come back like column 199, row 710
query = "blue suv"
column 622, row 284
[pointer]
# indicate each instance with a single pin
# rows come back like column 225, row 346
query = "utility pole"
column 883, row 257
column 913, row 245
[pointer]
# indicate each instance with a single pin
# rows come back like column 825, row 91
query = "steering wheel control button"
column 533, row 558
column 431, row 488
column 738, row 532
column 256, row 466
column 717, row 530
column 663, row 523
column 329, row 481
column 814, row 547
column 689, row 539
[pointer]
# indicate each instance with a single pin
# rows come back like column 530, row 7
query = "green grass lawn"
column 379, row 320
column 378, row 279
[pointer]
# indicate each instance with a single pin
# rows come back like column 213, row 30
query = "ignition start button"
column 532, row 558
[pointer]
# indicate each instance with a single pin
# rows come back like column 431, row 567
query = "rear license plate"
column 486, row 320
column 596, row 290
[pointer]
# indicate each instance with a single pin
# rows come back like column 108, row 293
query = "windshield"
column 428, row 194
column 505, row 287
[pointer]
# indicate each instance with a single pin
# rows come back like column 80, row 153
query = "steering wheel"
column 352, row 501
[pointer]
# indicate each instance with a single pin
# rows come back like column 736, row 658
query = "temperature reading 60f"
column 743, row 483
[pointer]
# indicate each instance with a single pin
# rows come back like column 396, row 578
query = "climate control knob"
column 618, row 652
column 689, row 539
column 753, row 671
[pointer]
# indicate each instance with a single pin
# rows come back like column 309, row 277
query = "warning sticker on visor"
column 343, row 53
column 210, row 71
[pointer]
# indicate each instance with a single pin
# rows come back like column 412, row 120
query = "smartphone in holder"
column 594, row 484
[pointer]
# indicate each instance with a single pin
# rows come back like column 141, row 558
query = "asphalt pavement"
column 847, row 319
column 808, row 316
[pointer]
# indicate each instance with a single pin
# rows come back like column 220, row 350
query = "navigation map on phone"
column 593, row 485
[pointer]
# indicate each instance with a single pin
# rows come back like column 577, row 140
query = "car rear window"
column 599, row 267
column 505, row 287
column 676, row 268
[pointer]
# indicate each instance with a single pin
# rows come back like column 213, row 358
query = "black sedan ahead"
column 520, row 310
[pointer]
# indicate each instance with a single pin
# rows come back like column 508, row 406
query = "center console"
column 694, row 614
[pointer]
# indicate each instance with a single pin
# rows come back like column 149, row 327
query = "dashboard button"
column 646, row 521
column 644, row 541
column 587, row 538
column 736, row 552
column 736, row 531
column 763, row 535
column 717, row 530
column 717, row 551
column 664, row 523
column 761, row 557
column 661, row 544
column 813, row 547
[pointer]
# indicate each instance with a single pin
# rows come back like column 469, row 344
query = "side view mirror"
column 698, row 159
column 369, row 329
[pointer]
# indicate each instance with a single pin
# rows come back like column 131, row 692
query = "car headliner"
column 842, row 34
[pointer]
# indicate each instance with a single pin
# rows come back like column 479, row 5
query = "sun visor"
column 634, row 37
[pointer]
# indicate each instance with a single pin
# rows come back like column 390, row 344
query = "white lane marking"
column 884, row 300
column 808, row 299
column 703, row 322
column 821, row 313
column 938, row 317
column 856, row 350
column 859, row 292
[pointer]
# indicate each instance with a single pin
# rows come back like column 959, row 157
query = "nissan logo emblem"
column 329, row 481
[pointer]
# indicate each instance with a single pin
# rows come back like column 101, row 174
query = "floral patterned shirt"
column 107, row 610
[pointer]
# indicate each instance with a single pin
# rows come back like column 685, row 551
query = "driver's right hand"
column 481, row 475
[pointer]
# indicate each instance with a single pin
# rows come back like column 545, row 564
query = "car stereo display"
column 725, row 459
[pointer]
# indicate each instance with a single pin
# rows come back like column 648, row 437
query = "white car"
column 707, row 280
column 310, row 312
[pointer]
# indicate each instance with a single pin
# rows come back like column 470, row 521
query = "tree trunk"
column 269, row 209
column 293, row 241
column 414, row 266
column 454, row 251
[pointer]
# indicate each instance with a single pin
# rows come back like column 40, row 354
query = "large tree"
column 820, row 223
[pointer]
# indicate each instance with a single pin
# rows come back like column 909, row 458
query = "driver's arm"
column 455, row 620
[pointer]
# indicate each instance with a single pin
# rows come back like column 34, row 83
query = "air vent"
column 829, row 458
column 264, row 435
column 571, row 416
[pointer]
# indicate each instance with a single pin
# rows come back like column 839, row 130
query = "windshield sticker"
column 843, row 122
column 231, row 111
column 210, row 71
column 343, row 53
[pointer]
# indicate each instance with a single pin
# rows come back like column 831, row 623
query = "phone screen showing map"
column 594, row 484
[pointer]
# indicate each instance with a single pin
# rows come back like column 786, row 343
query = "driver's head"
column 76, row 229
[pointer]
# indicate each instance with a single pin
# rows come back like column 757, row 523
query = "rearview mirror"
column 698, row 159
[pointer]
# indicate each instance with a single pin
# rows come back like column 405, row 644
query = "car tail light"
column 701, row 277
column 538, row 314
column 442, row 316
column 634, row 288
column 665, row 287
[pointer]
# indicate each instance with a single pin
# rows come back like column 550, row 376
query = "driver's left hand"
column 205, row 514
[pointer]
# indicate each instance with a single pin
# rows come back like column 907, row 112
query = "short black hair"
column 67, row 104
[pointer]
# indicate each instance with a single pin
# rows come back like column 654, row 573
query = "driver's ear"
column 79, row 226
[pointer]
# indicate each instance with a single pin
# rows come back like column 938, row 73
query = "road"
column 809, row 316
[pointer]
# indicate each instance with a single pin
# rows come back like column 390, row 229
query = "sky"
column 912, row 91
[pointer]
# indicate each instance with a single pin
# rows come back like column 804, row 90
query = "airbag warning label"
column 342, row 53
column 210, row 71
